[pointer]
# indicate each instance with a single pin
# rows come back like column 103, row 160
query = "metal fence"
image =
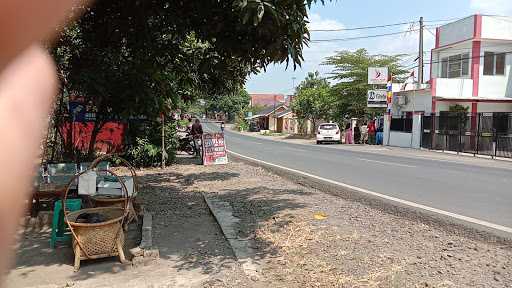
column 481, row 133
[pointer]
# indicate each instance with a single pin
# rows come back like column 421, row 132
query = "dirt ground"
column 304, row 238
column 307, row 238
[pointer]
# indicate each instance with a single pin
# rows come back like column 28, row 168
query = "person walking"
column 222, row 126
column 371, row 132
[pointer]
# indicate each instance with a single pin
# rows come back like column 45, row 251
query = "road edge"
column 470, row 227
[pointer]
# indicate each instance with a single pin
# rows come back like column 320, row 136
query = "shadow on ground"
column 38, row 264
column 188, row 235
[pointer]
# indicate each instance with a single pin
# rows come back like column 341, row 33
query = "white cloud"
column 495, row 7
column 316, row 22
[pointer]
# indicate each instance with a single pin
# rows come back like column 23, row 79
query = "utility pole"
column 164, row 154
column 420, row 56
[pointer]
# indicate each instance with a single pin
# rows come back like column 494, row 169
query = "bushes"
column 146, row 150
column 144, row 154
column 240, row 123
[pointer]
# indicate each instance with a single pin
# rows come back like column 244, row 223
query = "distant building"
column 470, row 67
column 267, row 100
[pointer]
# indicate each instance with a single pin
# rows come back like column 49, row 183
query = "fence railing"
column 483, row 133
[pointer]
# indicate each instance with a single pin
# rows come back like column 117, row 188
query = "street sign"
column 214, row 149
column 378, row 75
column 377, row 98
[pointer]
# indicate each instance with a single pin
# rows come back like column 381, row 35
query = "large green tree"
column 313, row 100
column 351, row 74
column 139, row 58
column 231, row 104
column 313, row 104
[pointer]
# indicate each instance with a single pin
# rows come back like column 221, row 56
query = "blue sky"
column 354, row 13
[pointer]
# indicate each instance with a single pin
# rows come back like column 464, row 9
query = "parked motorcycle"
column 187, row 144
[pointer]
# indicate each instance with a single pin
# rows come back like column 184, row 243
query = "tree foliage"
column 140, row 58
column 231, row 104
column 351, row 74
column 313, row 100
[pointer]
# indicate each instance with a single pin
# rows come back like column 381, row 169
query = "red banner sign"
column 214, row 149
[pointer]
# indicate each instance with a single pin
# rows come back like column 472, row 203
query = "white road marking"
column 394, row 199
column 387, row 163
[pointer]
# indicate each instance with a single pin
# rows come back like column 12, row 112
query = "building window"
column 494, row 63
column 455, row 66
column 402, row 124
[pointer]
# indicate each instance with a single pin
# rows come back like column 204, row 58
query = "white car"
column 328, row 132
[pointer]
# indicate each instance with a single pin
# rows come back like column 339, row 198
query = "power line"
column 363, row 37
column 445, row 20
column 382, row 26
column 461, row 59
column 362, row 28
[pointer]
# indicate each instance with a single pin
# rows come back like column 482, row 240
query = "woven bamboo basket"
column 118, row 202
column 98, row 240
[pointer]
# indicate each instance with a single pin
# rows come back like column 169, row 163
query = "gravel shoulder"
column 307, row 238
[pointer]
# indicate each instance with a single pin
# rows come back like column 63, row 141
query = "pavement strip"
column 387, row 163
column 223, row 214
column 497, row 227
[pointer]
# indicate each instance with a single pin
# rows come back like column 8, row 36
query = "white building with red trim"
column 471, row 66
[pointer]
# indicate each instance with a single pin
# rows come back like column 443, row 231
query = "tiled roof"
column 266, row 99
column 285, row 112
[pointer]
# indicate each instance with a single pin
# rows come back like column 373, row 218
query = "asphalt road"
column 484, row 193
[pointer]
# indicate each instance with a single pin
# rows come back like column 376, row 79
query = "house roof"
column 284, row 113
column 266, row 99
column 267, row 111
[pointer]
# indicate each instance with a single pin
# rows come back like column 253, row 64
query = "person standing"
column 357, row 134
column 222, row 126
column 371, row 132
column 380, row 134
column 364, row 133
column 348, row 134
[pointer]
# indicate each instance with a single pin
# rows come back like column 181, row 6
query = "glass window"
column 500, row 64
column 465, row 64
column 488, row 63
column 455, row 66
column 494, row 64
column 328, row 127
column 444, row 68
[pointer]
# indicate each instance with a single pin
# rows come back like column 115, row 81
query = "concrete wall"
column 444, row 105
column 494, row 107
column 402, row 139
column 457, row 31
column 418, row 101
column 454, row 87
column 496, row 86
column 497, row 27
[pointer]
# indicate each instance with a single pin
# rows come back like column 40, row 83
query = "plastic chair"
column 59, row 227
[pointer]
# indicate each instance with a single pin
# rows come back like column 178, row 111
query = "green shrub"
column 144, row 154
column 240, row 123
column 146, row 151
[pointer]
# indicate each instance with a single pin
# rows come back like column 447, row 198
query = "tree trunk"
column 163, row 141
column 92, row 143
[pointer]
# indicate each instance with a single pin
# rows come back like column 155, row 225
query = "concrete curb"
column 223, row 214
column 145, row 254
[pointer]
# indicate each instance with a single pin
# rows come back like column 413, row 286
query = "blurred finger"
column 27, row 87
